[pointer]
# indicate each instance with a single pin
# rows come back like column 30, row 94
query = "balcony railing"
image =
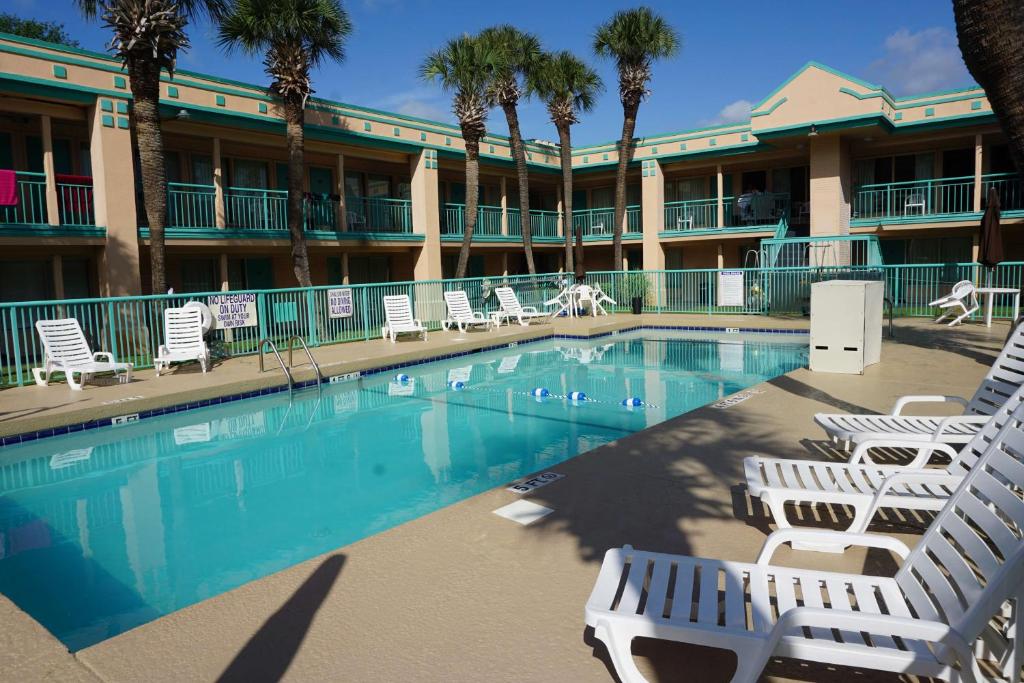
column 256, row 209
column 756, row 209
column 542, row 223
column 488, row 220
column 378, row 214
column 31, row 206
column 601, row 222
column 934, row 197
column 190, row 206
column 695, row 214
column 75, row 201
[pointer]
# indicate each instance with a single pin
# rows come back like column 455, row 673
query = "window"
column 250, row 174
column 202, row 169
column 368, row 269
column 199, row 275
column 26, row 280
column 76, row 278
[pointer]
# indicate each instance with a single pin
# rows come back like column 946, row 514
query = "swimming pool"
column 104, row 530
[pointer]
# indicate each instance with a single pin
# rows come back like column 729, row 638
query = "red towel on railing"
column 75, row 199
column 8, row 187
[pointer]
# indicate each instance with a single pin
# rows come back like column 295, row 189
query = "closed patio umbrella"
column 990, row 251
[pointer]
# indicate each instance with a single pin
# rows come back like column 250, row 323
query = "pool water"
column 104, row 530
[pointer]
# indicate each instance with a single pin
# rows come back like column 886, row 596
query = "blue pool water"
column 103, row 530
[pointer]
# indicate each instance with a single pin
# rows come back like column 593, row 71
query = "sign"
column 730, row 288
column 527, row 485
column 339, row 303
column 233, row 310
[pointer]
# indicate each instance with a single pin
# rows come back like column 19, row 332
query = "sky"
column 733, row 54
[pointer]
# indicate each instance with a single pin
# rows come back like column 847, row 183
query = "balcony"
column 75, row 208
column 755, row 211
column 488, row 221
column 374, row 214
column 600, row 223
column 543, row 224
column 933, row 199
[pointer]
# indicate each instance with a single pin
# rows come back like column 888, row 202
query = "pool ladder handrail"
column 273, row 347
column 312, row 361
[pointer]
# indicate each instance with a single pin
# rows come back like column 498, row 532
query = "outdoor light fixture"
column 182, row 115
column 814, row 131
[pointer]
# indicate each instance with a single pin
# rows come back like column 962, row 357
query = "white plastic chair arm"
column 829, row 536
column 925, row 450
column 880, row 624
column 529, row 309
column 162, row 351
column 921, row 476
column 952, row 420
column 103, row 354
column 904, row 401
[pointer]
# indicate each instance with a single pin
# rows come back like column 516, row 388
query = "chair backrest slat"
column 1005, row 375
column 398, row 310
column 183, row 329
column 458, row 305
column 64, row 342
column 971, row 559
column 508, row 300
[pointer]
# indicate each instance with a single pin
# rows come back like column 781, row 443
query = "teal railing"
column 934, row 197
column 256, row 209
column 839, row 250
column 31, row 206
column 542, row 223
column 601, row 222
column 488, row 220
column 695, row 214
column 75, row 204
column 191, row 206
column 756, row 209
column 378, row 214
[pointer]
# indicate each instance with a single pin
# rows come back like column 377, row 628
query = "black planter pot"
column 637, row 302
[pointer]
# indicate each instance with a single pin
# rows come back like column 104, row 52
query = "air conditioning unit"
column 846, row 325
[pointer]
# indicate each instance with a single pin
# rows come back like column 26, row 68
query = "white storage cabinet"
column 846, row 325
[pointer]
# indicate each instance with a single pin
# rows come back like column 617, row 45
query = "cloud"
column 422, row 103
column 918, row 62
column 734, row 112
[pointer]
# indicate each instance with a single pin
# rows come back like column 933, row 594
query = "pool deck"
column 464, row 595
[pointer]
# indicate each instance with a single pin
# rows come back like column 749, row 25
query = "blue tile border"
column 231, row 398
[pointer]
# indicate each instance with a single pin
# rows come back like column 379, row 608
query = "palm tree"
column 462, row 67
column 989, row 33
column 515, row 54
column 147, row 37
column 634, row 39
column 295, row 36
column 568, row 86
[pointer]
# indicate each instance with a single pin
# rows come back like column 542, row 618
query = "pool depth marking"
column 530, row 483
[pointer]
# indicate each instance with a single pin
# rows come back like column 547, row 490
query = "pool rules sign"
column 339, row 303
column 231, row 311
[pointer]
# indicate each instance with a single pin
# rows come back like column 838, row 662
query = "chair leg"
column 619, row 647
column 70, row 375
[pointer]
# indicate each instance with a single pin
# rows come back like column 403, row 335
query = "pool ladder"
column 287, row 369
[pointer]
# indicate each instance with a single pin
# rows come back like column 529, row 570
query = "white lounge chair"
column 960, row 303
column 66, row 350
column 511, row 309
column 866, row 486
column 398, row 313
column 461, row 315
column 924, row 621
column 594, row 298
column 1004, row 377
column 183, row 339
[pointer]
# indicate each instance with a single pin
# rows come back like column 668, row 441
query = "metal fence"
column 132, row 327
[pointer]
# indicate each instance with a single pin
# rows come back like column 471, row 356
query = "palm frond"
column 636, row 36
column 566, row 84
column 514, row 54
column 463, row 67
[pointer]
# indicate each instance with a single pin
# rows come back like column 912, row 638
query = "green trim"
column 689, row 134
column 262, row 107
column 738, row 230
column 120, row 83
column 68, row 92
column 122, row 107
column 769, row 110
column 941, row 122
column 107, row 120
column 971, row 217
column 106, row 105
column 929, row 111
column 122, row 122
column 976, row 105
column 828, row 124
column 231, row 234
column 22, row 230
column 221, row 101
column 172, row 91
column 60, row 71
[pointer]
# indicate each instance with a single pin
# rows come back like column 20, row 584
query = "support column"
column 978, row 170
column 720, row 264
column 52, row 204
column 218, row 186
column 113, row 180
column 561, row 208
column 504, row 206
column 344, row 268
column 504, row 264
column 342, row 209
column 720, row 209
column 652, row 191
column 426, row 218
column 831, row 192
column 225, row 277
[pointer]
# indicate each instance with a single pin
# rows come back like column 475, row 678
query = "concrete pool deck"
column 463, row 594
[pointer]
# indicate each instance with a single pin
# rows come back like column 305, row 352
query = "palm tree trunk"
column 989, row 33
column 629, row 110
column 519, row 153
column 294, row 135
column 472, row 197
column 565, row 152
column 144, row 76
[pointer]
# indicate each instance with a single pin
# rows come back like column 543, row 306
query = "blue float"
column 456, row 385
column 402, row 379
column 577, row 396
column 540, row 392
column 632, row 402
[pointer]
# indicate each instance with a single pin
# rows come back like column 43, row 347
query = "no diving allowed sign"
column 527, row 485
